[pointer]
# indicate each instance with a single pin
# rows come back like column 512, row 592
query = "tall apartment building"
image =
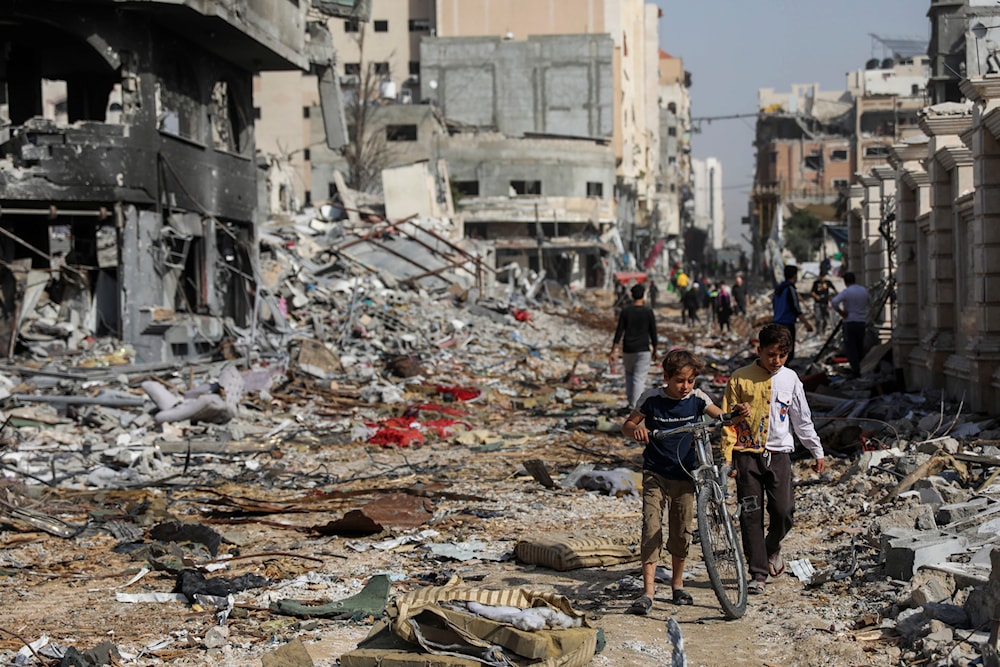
column 674, row 189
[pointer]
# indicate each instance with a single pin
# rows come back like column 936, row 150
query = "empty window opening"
column 381, row 26
column 526, row 187
column 595, row 189
column 401, row 132
column 229, row 123
column 467, row 188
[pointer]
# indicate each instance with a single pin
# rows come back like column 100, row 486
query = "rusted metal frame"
column 391, row 251
column 435, row 272
column 375, row 233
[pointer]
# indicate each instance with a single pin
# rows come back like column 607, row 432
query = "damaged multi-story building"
column 811, row 143
column 545, row 118
column 925, row 220
column 129, row 180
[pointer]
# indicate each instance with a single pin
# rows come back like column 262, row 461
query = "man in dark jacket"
column 786, row 305
column 636, row 332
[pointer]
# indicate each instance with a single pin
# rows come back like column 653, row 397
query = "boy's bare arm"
column 635, row 428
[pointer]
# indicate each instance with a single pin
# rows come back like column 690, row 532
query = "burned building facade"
column 128, row 177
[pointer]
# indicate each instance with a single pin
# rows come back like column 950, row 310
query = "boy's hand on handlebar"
column 641, row 434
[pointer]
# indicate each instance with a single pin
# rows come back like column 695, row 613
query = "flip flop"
column 776, row 564
column 641, row 606
column 756, row 587
column 681, row 596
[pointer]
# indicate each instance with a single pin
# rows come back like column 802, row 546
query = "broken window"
column 54, row 75
column 352, row 26
column 381, row 68
column 839, row 155
column 877, row 151
column 420, row 25
column 526, row 187
column 595, row 189
column 228, row 119
column 814, row 161
column 179, row 105
column 401, row 133
column 840, row 183
column 467, row 188
column 352, row 69
column 671, row 131
column 381, row 26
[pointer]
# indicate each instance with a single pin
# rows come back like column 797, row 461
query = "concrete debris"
column 388, row 418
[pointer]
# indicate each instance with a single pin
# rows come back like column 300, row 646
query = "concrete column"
column 949, row 167
column 983, row 308
column 141, row 285
column 855, row 229
column 913, row 200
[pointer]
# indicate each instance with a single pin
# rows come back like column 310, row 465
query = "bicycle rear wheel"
column 720, row 548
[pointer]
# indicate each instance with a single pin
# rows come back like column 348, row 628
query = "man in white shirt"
column 852, row 305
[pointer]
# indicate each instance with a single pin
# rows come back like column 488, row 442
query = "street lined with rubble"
column 431, row 452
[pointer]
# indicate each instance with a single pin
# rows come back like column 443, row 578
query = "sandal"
column 776, row 564
column 641, row 606
column 681, row 596
column 756, row 587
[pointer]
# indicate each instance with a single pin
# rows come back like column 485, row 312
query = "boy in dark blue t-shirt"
column 667, row 469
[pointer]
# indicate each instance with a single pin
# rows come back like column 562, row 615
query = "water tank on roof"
column 872, row 64
column 888, row 63
column 388, row 89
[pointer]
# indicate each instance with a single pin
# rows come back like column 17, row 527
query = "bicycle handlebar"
column 725, row 419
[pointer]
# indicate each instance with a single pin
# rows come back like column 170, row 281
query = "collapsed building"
column 129, row 182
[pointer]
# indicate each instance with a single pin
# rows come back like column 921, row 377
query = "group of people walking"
column 768, row 402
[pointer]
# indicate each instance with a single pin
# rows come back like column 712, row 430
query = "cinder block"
column 905, row 554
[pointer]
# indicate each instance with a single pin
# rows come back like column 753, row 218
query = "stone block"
column 928, row 586
column 954, row 512
column 904, row 553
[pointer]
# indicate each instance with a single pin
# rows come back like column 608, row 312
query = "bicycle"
column 720, row 545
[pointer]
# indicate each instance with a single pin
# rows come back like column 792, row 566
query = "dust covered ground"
column 267, row 496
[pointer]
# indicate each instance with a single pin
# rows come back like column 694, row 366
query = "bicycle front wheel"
column 721, row 551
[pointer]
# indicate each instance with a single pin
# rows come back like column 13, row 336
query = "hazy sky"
column 732, row 48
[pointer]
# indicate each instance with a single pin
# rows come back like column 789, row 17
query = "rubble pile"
column 376, row 441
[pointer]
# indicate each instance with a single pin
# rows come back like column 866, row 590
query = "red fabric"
column 521, row 315
column 460, row 393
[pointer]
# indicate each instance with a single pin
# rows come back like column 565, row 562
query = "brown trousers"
column 763, row 477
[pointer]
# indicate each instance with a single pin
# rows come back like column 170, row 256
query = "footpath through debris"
column 411, row 476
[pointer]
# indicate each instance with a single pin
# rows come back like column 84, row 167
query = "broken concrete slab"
column 905, row 551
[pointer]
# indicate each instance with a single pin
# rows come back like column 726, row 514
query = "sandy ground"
column 65, row 589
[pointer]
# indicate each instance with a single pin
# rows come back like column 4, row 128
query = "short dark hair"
column 775, row 333
column 791, row 271
column 638, row 291
column 849, row 278
column 678, row 360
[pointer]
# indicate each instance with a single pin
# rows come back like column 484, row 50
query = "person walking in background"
column 723, row 307
column 636, row 331
column 690, row 303
column 786, row 306
column 852, row 305
column 739, row 293
column 654, row 292
column 822, row 290
column 760, row 449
